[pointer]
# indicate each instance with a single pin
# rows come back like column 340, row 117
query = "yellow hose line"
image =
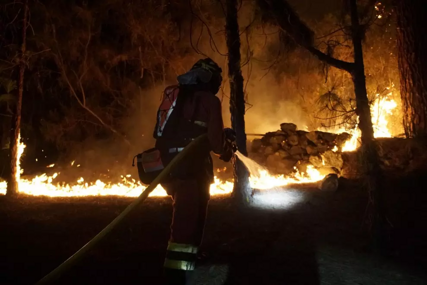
column 66, row 265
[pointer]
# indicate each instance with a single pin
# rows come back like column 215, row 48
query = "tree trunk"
column 412, row 59
column 370, row 158
column 241, row 191
column 290, row 22
column 12, row 183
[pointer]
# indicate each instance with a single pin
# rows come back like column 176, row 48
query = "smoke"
column 279, row 86
column 269, row 98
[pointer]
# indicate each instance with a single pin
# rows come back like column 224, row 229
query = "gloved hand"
column 229, row 144
column 228, row 152
column 229, row 134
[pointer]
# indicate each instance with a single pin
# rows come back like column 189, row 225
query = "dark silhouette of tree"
column 12, row 183
column 289, row 21
column 412, row 58
column 241, row 191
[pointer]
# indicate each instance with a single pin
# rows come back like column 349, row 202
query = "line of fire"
column 202, row 142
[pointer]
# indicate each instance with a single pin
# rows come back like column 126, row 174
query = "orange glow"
column 381, row 109
column 48, row 185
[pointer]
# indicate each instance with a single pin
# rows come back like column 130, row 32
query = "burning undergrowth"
column 282, row 158
column 53, row 184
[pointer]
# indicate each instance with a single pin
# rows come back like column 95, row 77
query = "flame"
column 381, row 109
column 221, row 169
column 264, row 181
column 21, row 148
column 44, row 185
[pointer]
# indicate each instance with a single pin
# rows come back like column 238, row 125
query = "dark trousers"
column 190, row 202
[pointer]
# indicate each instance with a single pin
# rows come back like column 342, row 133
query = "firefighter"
column 187, row 111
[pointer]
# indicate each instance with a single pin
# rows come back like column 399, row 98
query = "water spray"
column 268, row 194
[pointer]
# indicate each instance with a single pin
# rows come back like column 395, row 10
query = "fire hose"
column 72, row 260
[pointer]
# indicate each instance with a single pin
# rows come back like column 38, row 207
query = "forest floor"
column 312, row 238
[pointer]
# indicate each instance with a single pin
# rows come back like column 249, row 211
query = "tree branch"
column 82, row 103
column 340, row 64
column 289, row 21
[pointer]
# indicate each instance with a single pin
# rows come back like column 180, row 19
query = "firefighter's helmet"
column 209, row 65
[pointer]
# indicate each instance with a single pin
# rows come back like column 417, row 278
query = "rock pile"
column 283, row 150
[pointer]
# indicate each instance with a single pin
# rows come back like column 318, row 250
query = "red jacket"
column 205, row 108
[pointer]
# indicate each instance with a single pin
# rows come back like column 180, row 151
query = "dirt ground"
column 310, row 237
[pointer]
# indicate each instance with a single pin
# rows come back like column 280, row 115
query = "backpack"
column 168, row 111
column 171, row 130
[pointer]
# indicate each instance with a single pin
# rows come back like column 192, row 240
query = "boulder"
column 296, row 150
column 302, row 166
column 303, row 141
column 288, row 127
column 283, row 154
column 282, row 149
column 313, row 137
column 316, row 160
column 341, row 139
column 277, row 139
column 328, row 137
column 285, row 145
column 325, row 170
column 297, row 156
column 330, row 183
column 285, row 166
column 289, row 164
column 268, row 151
column 311, row 150
column 272, row 161
column 322, row 148
column 293, row 140
column 256, row 145
column 276, row 146
column 332, row 159
column 266, row 138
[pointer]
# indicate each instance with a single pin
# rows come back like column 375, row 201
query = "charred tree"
column 370, row 158
column 412, row 60
column 12, row 183
column 289, row 21
column 241, row 191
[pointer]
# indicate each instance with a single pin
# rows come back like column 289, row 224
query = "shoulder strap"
column 169, row 103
